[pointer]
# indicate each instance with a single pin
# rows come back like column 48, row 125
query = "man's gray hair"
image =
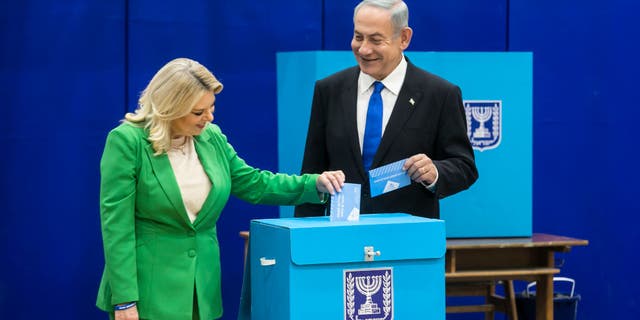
column 398, row 9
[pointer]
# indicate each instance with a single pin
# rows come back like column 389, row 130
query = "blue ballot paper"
column 345, row 205
column 388, row 178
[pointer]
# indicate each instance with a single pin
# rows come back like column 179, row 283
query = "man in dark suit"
column 422, row 115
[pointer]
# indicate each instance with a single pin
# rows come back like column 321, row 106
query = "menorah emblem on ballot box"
column 484, row 123
column 371, row 302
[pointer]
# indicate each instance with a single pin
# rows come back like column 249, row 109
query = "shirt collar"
column 393, row 82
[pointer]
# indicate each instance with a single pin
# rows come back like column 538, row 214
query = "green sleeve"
column 264, row 187
column 117, row 204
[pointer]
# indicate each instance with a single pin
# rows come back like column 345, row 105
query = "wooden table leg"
column 510, row 296
column 544, row 298
column 491, row 291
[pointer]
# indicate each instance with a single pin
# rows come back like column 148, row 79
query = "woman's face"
column 193, row 123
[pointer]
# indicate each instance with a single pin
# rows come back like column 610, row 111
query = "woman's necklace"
column 180, row 147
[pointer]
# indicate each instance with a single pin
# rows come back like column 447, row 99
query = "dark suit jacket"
column 434, row 124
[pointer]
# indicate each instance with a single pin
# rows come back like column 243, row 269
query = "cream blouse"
column 193, row 182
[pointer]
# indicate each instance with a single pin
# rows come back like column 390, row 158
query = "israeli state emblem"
column 484, row 123
column 368, row 294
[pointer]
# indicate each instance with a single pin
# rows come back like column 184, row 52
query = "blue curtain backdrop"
column 70, row 69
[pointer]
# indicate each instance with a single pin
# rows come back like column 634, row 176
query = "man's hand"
column 421, row 169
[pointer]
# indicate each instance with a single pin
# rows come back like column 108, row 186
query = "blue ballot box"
column 384, row 266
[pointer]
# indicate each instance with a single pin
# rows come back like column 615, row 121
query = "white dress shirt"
column 392, row 85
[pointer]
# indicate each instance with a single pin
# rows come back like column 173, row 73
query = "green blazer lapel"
column 205, row 150
column 164, row 174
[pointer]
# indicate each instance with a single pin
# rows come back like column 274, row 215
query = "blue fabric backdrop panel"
column 586, row 141
column 61, row 76
column 499, row 204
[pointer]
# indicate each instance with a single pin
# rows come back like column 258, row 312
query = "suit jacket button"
column 191, row 233
column 192, row 253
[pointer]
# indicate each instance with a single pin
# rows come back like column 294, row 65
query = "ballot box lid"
column 397, row 236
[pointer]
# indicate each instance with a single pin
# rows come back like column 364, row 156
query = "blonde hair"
column 171, row 94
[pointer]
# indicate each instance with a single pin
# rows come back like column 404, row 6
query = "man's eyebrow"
column 373, row 35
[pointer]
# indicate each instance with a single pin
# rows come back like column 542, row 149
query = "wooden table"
column 470, row 262
column 475, row 265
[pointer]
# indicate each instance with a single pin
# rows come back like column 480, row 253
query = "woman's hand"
column 330, row 182
column 127, row 314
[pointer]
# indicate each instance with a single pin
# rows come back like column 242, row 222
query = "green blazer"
column 153, row 253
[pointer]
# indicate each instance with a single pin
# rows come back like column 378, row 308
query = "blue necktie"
column 373, row 126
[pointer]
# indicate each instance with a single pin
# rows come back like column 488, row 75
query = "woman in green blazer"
column 166, row 175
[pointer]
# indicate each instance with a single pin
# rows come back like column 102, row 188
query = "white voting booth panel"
column 497, row 93
column 385, row 266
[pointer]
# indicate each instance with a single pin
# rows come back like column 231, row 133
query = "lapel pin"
column 412, row 101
